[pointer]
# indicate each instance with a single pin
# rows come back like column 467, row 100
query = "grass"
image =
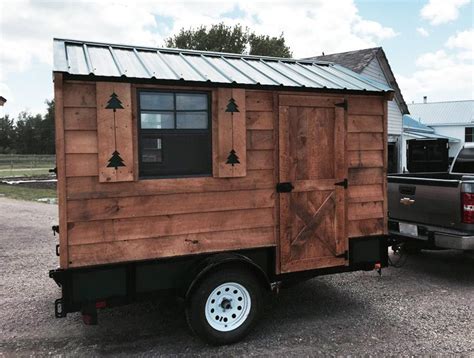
column 25, row 164
column 24, row 193
column 24, row 172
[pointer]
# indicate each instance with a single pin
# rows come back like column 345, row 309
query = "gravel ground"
column 426, row 307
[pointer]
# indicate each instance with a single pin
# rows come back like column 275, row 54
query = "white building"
column 374, row 64
column 451, row 119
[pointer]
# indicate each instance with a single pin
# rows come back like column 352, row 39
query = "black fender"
column 210, row 263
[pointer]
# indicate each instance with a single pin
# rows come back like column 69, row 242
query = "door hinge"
column 286, row 187
column 343, row 105
column 343, row 183
column 344, row 255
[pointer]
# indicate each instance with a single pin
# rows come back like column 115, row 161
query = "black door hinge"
column 284, row 187
column 343, row 183
column 55, row 229
column 344, row 255
column 343, row 105
column 54, row 170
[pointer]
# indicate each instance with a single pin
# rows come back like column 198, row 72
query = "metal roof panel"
column 108, row 60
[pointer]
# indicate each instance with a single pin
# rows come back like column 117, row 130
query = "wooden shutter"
column 229, row 134
column 115, row 132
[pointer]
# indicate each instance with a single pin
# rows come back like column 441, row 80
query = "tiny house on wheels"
column 215, row 176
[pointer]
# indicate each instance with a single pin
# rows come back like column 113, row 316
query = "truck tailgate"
column 425, row 201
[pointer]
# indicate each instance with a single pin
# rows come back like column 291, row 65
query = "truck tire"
column 224, row 306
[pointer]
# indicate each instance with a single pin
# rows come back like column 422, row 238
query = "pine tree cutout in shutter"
column 232, row 107
column 115, row 160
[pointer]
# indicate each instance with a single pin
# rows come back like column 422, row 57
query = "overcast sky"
column 429, row 43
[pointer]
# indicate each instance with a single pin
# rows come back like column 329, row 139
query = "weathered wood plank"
column 369, row 210
column 259, row 159
column 81, row 141
column 114, row 128
column 259, row 120
column 365, row 193
column 367, row 124
column 142, row 206
column 169, row 246
column 365, row 227
column 90, row 187
column 309, row 101
column 259, row 101
column 166, row 225
column 79, row 94
column 81, row 165
column 365, row 159
column 312, row 263
column 258, row 140
column 61, row 168
column 366, row 105
column 361, row 176
column 365, row 141
column 80, row 118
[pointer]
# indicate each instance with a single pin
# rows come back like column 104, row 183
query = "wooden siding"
column 146, row 219
column 366, row 158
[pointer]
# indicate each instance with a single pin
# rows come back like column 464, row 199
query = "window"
column 174, row 134
column 465, row 161
column 469, row 134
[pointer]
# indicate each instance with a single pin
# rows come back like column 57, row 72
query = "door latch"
column 343, row 183
column 286, row 187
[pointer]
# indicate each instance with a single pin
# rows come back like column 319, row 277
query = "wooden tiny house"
column 173, row 157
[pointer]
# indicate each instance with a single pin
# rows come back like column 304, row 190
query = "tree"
column 220, row 38
column 264, row 45
column 7, row 135
column 233, row 39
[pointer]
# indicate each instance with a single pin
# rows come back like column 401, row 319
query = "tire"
column 224, row 306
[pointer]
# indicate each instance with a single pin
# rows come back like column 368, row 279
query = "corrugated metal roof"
column 107, row 60
column 416, row 129
column 443, row 113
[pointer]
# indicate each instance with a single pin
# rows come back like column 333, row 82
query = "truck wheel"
column 224, row 306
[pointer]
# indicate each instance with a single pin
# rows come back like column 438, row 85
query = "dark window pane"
column 156, row 101
column 153, row 120
column 151, row 150
column 191, row 120
column 469, row 134
column 191, row 102
column 465, row 161
column 184, row 154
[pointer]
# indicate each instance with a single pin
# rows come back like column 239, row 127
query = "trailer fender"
column 212, row 262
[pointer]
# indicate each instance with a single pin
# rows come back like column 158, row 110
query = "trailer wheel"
column 224, row 306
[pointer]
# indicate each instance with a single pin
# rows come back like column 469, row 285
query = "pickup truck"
column 434, row 210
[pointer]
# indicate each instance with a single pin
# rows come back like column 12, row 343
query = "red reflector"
column 467, row 208
column 100, row 304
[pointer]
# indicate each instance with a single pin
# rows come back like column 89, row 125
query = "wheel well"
column 221, row 261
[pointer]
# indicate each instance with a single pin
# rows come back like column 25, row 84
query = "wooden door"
column 312, row 158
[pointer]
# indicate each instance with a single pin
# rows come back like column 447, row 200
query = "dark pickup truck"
column 434, row 210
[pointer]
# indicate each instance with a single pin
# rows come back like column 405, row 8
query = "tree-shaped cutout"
column 115, row 161
column 114, row 102
column 232, row 158
column 232, row 106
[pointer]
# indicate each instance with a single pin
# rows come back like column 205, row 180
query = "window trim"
column 169, row 131
column 471, row 134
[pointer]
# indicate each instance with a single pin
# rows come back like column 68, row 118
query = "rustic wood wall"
column 145, row 219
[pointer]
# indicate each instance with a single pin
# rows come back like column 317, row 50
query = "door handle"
column 343, row 183
column 286, row 187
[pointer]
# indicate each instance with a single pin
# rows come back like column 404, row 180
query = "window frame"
column 466, row 129
column 173, row 131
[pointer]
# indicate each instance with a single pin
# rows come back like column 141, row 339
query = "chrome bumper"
column 450, row 241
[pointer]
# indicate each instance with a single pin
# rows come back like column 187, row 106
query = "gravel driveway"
column 426, row 307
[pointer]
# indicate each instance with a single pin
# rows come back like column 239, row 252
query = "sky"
column 429, row 43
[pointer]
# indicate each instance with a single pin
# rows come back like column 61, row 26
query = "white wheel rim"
column 228, row 306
